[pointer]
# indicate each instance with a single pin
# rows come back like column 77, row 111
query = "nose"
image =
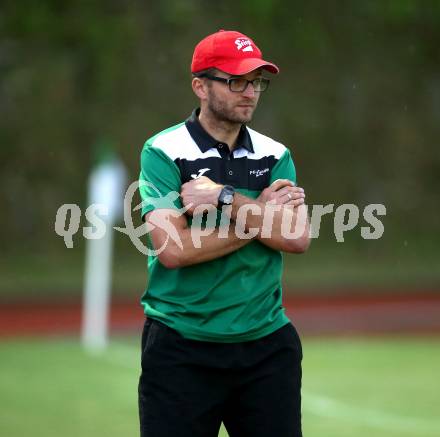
column 249, row 91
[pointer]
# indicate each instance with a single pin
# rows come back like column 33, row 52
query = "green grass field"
column 350, row 388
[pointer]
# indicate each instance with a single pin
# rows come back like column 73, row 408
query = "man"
column 217, row 346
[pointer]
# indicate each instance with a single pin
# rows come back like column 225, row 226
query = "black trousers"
column 188, row 387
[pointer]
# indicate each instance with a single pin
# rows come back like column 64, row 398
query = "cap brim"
column 246, row 65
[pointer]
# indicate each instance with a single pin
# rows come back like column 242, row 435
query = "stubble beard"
column 222, row 112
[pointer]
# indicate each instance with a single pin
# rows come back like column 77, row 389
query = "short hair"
column 210, row 71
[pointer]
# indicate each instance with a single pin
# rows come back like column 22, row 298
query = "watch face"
column 228, row 198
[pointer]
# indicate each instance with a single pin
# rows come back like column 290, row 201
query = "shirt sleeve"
column 159, row 181
column 284, row 168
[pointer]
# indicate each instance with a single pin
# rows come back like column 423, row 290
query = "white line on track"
column 332, row 408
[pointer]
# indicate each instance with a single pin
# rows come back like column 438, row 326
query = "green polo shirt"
column 234, row 298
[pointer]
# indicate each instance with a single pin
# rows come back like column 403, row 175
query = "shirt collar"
column 205, row 141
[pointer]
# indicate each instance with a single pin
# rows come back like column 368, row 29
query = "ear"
column 199, row 87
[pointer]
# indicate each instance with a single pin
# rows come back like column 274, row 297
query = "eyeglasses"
column 239, row 84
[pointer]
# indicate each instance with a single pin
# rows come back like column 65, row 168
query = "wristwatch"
column 226, row 196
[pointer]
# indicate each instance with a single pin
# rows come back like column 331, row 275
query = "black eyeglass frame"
column 264, row 80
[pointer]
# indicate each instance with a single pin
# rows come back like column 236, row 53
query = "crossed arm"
column 286, row 208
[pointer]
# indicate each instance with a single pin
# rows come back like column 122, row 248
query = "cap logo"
column 244, row 45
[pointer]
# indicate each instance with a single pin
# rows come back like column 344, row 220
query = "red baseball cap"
column 231, row 52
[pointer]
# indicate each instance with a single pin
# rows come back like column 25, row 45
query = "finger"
column 287, row 196
column 295, row 202
column 297, row 195
column 294, row 199
column 293, row 191
column 280, row 183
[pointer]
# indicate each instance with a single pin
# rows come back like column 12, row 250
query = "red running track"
column 378, row 314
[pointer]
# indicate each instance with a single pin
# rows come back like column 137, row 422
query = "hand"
column 200, row 191
column 283, row 192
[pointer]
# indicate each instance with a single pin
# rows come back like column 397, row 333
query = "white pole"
column 106, row 185
column 96, row 305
